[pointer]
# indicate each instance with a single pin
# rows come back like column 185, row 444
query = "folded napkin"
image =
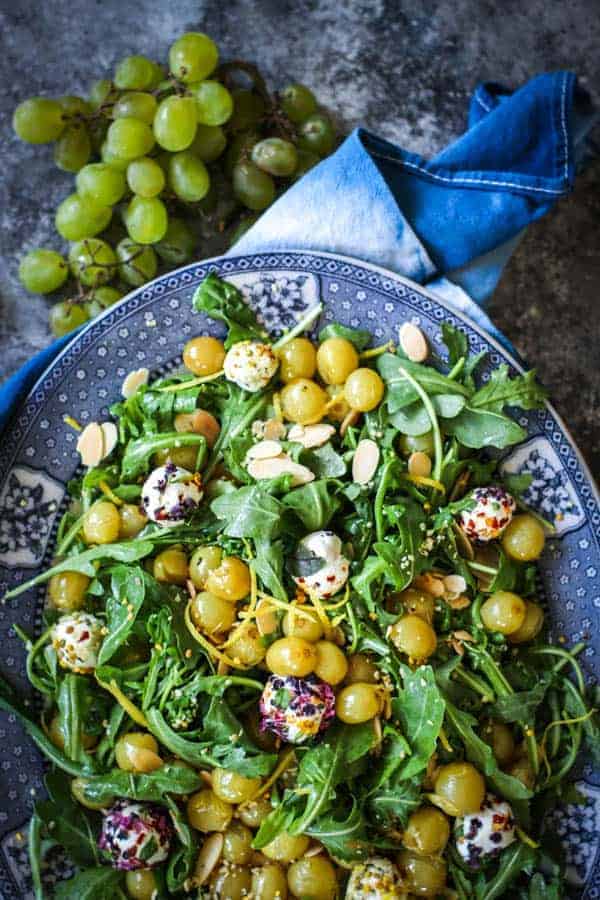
column 450, row 223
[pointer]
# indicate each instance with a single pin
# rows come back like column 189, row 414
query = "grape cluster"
column 159, row 156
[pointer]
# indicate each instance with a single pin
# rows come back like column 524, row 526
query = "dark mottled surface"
column 403, row 67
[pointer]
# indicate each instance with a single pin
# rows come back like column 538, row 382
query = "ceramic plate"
column 149, row 328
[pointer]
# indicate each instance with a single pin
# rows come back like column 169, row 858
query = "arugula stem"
column 304, row 323
column 479, row 567
column 456, row 368
column 435, row 426
column 475, row 683
column 193, row 382
column 566, row 657
column 380, row 497
column 35, row 855
column 227, row 435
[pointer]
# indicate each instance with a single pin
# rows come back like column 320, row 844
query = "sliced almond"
column 430, row 583
column 414, row 342
column 264, row 450
column 90, row 444
column 455, row 585
column 419, row 464
column 365, row 461
column 133, row 381
column 111, row 436
column 208, row 858
column 266, row 619
column 274, row 430
column 280, row 465
column 311, row 435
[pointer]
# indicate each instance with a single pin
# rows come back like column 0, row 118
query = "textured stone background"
column 403, row 67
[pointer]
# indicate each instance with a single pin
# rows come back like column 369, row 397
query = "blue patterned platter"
column 149, row 328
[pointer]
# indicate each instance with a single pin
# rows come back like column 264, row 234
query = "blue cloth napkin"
column 450, row 223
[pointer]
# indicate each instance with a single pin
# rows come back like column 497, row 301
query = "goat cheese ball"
column 492, row 511
column 296, row 709
column 170, row 494
column 250, row 365
column 483, row 835
column 136, row 835
column 322, row 567
column 375, row 879
column 77, row 638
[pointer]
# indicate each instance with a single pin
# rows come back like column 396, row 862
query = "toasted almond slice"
column 264, row 450
column 430, row 583
column 311, row 435
column 133, row 381
column 266, row 620
column 274, row 430
column 90, row 444
column 111, row 436
column 208, row 858
column 455, row 584
column 414, row 342
column 280, row 465
column 365, row 461
column 419, row 464
column 313, row 850
column 463, row 635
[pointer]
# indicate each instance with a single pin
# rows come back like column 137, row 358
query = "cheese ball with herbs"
column 170, row 495
column 375, row 879
column 77, row 639
column 250, row 365
column 491, row 510
column 482, row 836
column 296, row 709
column 322, row 569
column 136, row 835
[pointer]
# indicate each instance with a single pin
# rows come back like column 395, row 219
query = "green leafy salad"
column 293, row 645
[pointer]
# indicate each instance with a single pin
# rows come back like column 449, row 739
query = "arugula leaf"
column 420, row 709
column 456, row 341
column 414, row 419
column 514, row 860
column 171, row 778
column 72, row 698
column 324, row 461
column 391, row 804
column 482, row 756
column 92, row 884
column 479, row 427
column 136, row 458
column 128, row 551
column 223, row 301
column 520, row 706
column 182, row 860
column 517, row 482
column 249, row 512
column 361, row 339
column 502, row 390
column 128, row 591
column 400, row 393
column 346, row 839
column 313, row 503
column 68, row 823
column 268, row 565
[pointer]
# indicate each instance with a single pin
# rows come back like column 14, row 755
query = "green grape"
column 145, row 177
column 178, row 244
column 137, row 264
column 134, row 73
column 275, row 156
column 38, row 120
column 214, row 103
column 75, row 106
column 101, row 184
column 135, row 105
column 73, row 148
column 209, row 143
column 242, row 227
column 92, row 261
column 175, row 123
column 239, row 149
column 188, row 177
column 100, row 92
column 248, row 109
column 317, row 134
column 306, row 160
column 253, row 187
column 115, row 162
column 298, row 102
column 129, row 138
column 158, row 75
column 77, row 218
column 193, row 57
column 64, row 317
column 100, row 299
column 146, row 220
column 43, row 271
